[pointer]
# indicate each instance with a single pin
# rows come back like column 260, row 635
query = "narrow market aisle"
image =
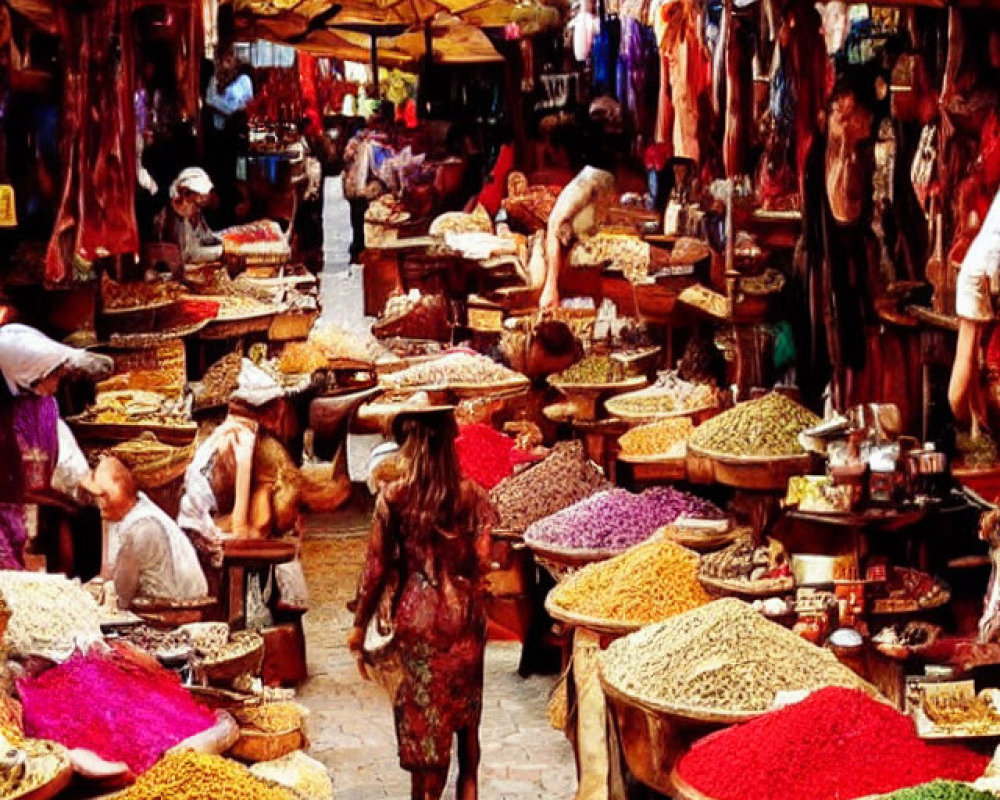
column 351, row 721
column 351, row 725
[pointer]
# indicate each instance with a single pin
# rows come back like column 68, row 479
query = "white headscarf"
column 256, row 388
column 194, row 179
column 28, row 355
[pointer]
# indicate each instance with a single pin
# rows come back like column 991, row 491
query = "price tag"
column 8, row 208
column 486, row 320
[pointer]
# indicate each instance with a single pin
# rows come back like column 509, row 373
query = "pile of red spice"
column 836, row 744
column 487, row 456
column 121, row 705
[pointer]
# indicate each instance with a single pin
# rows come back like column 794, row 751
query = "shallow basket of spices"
column 45, row 786
column 703, row 539
column 768, row 587
column 561, row 562
column 607, row 627
column 245, row 657
column 269, row 731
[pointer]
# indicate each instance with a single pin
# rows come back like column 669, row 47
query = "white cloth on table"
column 152, row 557
column 979, row 277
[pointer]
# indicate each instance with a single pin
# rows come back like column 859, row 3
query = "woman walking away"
column 429, row 538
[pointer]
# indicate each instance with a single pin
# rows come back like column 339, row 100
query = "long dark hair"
column 434, row 480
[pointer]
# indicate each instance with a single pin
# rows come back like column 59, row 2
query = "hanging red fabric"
column 96, row 216
column 310, row 104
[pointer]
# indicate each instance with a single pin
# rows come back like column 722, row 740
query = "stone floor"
column 351, row 722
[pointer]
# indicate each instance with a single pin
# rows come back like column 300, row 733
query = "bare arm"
column 376, row 568
column 963, row 394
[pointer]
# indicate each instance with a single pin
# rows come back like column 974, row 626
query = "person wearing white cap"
column 182, row 221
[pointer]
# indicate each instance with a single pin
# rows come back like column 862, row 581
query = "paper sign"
column 8, row 208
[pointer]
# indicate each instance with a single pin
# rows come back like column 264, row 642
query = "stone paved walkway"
column 351, row 722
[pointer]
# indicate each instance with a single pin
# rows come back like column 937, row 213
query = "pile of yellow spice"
column 657, row 438
column 649, row 583
column 188, row 775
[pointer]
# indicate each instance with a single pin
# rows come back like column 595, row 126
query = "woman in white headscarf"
column 37, row 449
column 182, row 221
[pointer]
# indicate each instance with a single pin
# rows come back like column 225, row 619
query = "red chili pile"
column 834, row 745
column 487, row 456
column 120, row 705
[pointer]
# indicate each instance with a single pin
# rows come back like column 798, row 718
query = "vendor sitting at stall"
column 146, row 554
column 574, row 215
column 182, row 222
column 242, row 482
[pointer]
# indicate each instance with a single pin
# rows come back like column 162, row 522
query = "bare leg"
column 468, row 764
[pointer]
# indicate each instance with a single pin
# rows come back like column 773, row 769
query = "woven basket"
column 225, row 672
column 255, row 746
column 152, row 463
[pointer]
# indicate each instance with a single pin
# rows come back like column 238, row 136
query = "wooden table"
column 241, row 556
column 859, row 527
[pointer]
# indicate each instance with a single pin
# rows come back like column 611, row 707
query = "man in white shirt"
column 978, row 283
column 147, row 555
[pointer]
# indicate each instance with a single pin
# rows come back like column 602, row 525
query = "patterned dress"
column 438, row 619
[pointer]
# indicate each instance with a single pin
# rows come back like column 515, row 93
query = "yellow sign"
column 8, row 209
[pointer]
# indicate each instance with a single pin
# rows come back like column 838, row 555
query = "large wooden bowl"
column 653, row 740
column 764, row 474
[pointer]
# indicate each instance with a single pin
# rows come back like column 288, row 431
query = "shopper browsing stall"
column 31, row 434
column 431, row 529
column 146, row 554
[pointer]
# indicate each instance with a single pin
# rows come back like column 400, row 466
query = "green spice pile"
column 563, row 478
column 592, row 370
column 670, row 395
column 766, row 427
column 940, row 790
column 722, row 657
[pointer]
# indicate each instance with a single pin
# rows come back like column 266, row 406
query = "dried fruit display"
column 564, row 477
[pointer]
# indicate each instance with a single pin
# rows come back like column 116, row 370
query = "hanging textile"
column 96, row 216
column 606, row 45
column 686, row 69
